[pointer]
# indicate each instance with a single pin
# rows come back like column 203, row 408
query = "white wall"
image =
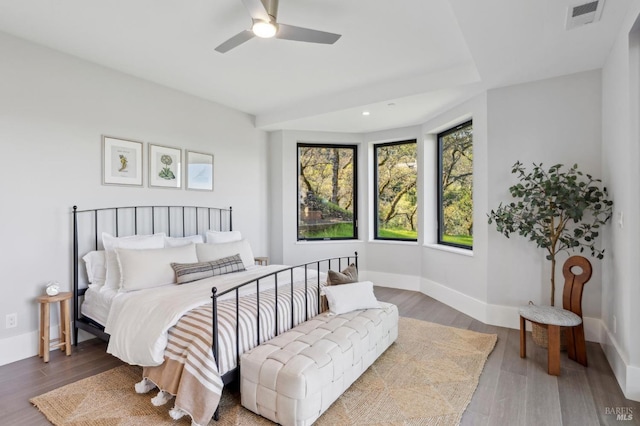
column 391, row 263
column 552, row 121
column 283, row 176
column 457, row 270
column 53, row 110
column 620, row 156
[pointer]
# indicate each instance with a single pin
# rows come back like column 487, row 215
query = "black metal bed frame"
column 216, row 218
column 90, row 326
column 234, row 374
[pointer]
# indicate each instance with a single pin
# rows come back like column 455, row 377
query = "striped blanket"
column 189, row 371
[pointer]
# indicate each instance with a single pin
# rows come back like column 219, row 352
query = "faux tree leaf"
column 557, row 209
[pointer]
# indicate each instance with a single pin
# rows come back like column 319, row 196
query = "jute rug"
column 426, row 377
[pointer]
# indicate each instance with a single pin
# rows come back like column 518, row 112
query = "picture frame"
column 121, row 161
column 165, row 166
column 199, row 171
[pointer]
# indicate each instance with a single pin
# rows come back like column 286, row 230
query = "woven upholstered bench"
column 294, row 378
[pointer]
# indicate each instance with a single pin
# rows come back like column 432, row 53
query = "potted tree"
column 557, row 209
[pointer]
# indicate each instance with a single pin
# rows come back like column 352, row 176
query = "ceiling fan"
column 264, row 16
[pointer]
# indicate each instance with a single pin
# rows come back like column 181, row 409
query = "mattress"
column 97, row 303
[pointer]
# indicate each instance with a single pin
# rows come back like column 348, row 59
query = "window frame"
column 375, row 188
column 354, row 147
column 439, row 193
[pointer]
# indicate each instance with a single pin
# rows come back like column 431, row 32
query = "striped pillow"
column 187, row 272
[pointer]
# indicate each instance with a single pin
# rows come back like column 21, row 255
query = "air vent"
column 585, row 13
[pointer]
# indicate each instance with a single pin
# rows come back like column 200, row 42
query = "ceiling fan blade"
column 257, row 10
column 235, row 41
column 289, row 32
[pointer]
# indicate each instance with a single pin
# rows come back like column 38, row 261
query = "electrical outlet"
column 11, row 320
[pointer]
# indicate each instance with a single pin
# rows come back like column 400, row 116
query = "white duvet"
column 139, row 321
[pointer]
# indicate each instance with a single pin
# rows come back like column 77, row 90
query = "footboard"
column 318, row 266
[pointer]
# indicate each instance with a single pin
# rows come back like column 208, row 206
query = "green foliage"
column 463, row 240
column 400, row 234
column 397, row 194
column 457, row 182
column 557, row 209
column 326, row 185
column 341, row 230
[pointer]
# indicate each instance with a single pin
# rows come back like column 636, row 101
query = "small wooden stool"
column 262, row 260
column 554, row 318
column 551, row 318
column 64, row 341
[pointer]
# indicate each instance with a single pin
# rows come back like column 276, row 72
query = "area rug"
column 426, row 377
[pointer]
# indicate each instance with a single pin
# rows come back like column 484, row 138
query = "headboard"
column 175, row 221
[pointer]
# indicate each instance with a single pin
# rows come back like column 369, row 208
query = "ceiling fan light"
column 264, row 29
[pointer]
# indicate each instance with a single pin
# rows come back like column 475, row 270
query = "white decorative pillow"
column 209, row 252
column 137, row 242
column 182, row 241
column 96, row 264
column 351, row 297
column 142, row 269
column 217, row 237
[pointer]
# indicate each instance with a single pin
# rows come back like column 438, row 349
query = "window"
column 396, row 199
column 327, row 192
column 455, row 186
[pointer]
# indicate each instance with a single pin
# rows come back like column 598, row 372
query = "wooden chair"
column 554, row 318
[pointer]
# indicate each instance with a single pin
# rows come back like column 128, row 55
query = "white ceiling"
column 423, row 56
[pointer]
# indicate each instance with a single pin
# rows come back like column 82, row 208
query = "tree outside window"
column 327, row 192
column 455, row 192
column 396, row 177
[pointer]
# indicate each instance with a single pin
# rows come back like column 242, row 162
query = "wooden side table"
column 64, row 341
column 262, row 260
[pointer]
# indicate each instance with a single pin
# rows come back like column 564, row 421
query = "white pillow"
column 142, row 269
column 182, row 241
column 95, row 262
column 139, row 242
column 217, row 237
column 350, row 297
column 210, row 252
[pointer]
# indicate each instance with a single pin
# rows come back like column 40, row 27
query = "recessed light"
column 365, row 113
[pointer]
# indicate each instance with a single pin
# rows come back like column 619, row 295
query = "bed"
column 189, row 337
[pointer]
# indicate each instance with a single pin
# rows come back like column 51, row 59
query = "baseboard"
column 25, row 345
column 633, row 383
column 628, row 376
column 384, row 279
column 466, row 304
column 19, row 347
column 499, row 315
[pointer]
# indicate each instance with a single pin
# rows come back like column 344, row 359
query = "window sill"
column 448, row 249
column 394, row 242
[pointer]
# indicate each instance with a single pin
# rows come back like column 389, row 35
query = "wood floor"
column 512, row 391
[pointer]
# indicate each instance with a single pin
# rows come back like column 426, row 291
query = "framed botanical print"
column 121, row 162
column 199, row 171
column 165, row 166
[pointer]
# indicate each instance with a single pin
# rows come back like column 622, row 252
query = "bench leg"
column 523, row 337
column 553, row 350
